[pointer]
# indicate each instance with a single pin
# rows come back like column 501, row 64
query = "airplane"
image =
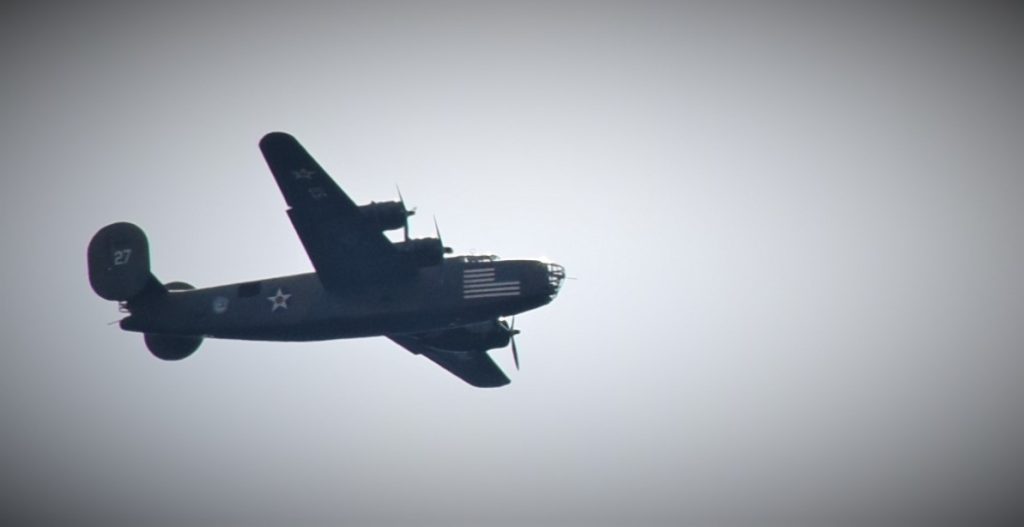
column 450, row 309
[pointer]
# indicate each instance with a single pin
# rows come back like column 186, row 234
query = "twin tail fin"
column 118, row 257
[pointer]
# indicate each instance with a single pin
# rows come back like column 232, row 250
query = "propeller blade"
column 405, row 228
column 512, row 332
column 408, row 211
column 437, row 231
column 515, row 353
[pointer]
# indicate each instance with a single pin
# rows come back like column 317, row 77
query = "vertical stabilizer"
column 118, row 258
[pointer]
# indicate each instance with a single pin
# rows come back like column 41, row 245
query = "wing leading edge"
column 344, row 248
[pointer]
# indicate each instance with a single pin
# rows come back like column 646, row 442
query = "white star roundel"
column 279, row 300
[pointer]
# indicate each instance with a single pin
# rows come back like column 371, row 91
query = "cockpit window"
column 479, row 258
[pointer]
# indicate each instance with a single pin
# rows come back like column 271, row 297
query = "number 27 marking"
column 122, row 256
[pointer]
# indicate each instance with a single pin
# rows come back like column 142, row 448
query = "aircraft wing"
column 475, row 367
column 344, row 248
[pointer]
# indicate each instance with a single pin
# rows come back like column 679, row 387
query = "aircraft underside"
column 449, row 309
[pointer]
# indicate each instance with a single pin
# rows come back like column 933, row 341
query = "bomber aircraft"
column 450, row 309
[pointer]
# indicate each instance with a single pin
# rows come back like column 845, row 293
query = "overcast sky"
column 796, row 231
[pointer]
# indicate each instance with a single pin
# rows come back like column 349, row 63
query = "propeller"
column 512, row 332
column 401, row 200
column 437, row 231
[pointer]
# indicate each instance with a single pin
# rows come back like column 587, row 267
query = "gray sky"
column 797, row 233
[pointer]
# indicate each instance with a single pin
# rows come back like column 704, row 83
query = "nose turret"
column 556, row 275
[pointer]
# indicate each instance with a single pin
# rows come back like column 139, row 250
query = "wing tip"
column 496, row 384
column 272, row 138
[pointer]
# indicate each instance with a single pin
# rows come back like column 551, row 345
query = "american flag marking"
column 480, row 283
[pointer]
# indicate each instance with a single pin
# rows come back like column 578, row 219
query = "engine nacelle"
column 475, row 337
column 422, row 252
column 385, row 216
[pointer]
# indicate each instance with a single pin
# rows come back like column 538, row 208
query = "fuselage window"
column 249, row 289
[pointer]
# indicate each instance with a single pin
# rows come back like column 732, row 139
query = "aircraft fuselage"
column 457, row 292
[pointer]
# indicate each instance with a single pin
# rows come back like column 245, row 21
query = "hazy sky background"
column 796, row 228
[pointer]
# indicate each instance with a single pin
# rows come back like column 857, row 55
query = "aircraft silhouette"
column 446, row 308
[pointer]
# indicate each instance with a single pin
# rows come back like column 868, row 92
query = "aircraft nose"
column 556, row 275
